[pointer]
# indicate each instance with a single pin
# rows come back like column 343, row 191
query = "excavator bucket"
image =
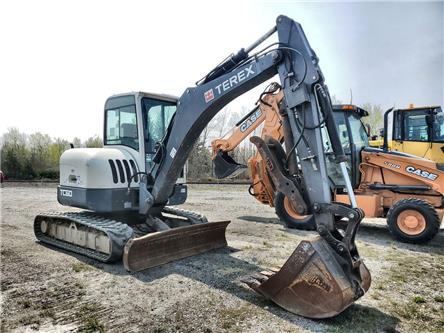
column 161, row 247
column 226, row 167
column 311, row 283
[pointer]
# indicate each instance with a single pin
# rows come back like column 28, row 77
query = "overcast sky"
column 60, row 60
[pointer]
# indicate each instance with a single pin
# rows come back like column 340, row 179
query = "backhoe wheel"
column 288, row 215
column 413, row 221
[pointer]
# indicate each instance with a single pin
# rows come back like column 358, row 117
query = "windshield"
column 422, row 125
column 359, row 135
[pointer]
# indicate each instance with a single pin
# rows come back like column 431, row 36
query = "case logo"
column 421, row 173
column 250, row 120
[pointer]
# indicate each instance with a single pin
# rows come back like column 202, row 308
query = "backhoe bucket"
column 226, row 167
column 161, row 247
column 311, row 283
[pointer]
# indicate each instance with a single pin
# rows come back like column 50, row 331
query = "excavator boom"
column 297, row 66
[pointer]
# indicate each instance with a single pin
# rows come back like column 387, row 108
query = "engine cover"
column 97, row 168
column 97, row 179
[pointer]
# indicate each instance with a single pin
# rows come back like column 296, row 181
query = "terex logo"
column 65, row 193
column 235, row 79
column 242, row 75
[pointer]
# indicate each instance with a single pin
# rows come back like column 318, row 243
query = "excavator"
column 129, row 187
column 415, row 130
column 406, row 189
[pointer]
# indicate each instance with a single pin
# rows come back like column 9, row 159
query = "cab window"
column 157, row 115
column 357, row 129
column 415, row 126
column 121, row 122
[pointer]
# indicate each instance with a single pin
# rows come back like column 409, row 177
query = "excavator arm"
column 325, row 275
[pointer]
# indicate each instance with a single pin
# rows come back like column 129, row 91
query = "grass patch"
column 88, row 318
column 439, row 298
column 26, row 303
column 419, row 299
column 402, row 281
column 92, row 324
column 32, row 319
column 49, row 313
column 266, row 244
column 231, row 317
column 80, row 266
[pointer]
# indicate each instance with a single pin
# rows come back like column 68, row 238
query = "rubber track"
column 193, row 217
column 119, row 233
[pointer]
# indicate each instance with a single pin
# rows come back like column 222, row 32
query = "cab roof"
column 147, row 94
column 414, row 108
column 350, row 107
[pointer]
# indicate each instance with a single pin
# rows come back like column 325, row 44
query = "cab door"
column 157, row 115
column 412, row 133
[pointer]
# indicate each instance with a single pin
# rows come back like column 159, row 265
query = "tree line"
column 37, row 155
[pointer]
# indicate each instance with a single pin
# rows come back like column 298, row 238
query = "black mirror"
column 368, row 129
column 430, row 119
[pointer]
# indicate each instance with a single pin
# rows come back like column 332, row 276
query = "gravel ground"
column 51, row 290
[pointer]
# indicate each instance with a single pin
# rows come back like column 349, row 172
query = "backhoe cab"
column 417, row 131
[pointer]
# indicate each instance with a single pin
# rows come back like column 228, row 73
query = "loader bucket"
column 226, row 167
column 311, row 283
column 161, row 247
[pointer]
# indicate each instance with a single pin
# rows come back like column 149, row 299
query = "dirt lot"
column 48, row 290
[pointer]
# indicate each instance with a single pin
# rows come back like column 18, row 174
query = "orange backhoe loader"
column 262, row 187
column 406, row 189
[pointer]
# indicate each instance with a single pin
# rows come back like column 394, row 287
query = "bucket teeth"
column 311, row 283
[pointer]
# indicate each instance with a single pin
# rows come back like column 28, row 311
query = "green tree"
column 39, row 151
column 15, row 157
column 76, row 142
column 335, row 100
column 94, row 142
column 56, row 149
column 375, row 117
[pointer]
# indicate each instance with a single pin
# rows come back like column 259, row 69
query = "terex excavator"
column 406, row 189
column 126, row 188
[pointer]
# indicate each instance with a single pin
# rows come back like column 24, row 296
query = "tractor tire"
column 288, row 215
column 413, row 221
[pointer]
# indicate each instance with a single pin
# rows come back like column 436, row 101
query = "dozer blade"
column 311, row 283
column 162, row 247
column 226, row 167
